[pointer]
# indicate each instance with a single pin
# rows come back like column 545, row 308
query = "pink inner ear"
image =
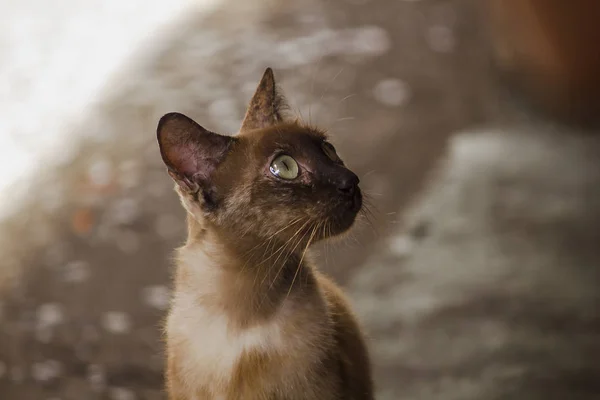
column 180, row 139
column 183, row 159
column 188, row 149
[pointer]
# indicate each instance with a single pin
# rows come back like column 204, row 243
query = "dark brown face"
column 285, row 179
column 274, row 180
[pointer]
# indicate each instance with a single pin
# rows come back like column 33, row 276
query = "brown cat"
column 250, row 316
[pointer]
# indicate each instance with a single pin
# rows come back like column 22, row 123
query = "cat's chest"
column 208, row 348
column 208, row 351
column 205, row 342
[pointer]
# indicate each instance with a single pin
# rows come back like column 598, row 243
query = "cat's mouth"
column 352, row 201
column 346, row 212
column 357, row 201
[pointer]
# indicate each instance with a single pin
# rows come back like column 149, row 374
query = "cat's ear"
column 190, row 152
column 267, row 106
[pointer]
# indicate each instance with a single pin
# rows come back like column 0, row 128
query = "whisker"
column 367, row 221
column 281, row 250
column 302, row 259
column 330, row 82
column 287, row 258
column 326, row 244
column 347, row 97
column 264, row 260
column 368, row 173
column 294, row 221
column 282, row 265
column 312, row 86
column 367, row 210
column 330, row 127
column 299, row 113
column 291, row 239
column 369, row 215
column 268, row 242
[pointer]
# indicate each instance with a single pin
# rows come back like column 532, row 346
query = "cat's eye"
column 284, row 167
column 330, row 152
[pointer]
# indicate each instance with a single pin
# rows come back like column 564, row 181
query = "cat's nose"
column 348, row 183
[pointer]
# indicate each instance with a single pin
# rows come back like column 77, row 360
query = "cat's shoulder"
column 332, row 293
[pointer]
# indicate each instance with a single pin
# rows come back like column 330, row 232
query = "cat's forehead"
column 292, row 135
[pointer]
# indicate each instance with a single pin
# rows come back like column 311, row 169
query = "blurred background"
column 471, row 123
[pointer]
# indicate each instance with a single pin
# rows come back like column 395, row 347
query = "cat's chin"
column 343, row 221
column 341, row 227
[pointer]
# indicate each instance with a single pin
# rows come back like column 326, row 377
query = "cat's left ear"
column 191, row 152
column 267, row 106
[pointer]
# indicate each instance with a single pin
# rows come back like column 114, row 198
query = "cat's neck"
column 246, row 278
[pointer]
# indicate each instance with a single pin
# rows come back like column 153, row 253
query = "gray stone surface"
column 476, row 279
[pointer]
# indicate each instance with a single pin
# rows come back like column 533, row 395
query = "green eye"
column 284, row 167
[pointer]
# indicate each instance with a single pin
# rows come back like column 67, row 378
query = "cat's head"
column 274, row 179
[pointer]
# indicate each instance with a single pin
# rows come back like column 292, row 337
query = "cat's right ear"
column 190, row 152
column 267, row 106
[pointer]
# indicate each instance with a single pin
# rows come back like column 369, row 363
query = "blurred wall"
column 548, row 49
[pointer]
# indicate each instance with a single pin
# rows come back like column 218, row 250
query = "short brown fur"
column 251, row 318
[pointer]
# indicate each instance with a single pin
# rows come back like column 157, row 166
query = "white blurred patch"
column 76, row 271
column 56, row 58
column 129, row 174
column 476, row 149
column 225, row 111
column 371, row 41
column 49, row 315
column 96, row 376
column 401, row 245
column 46, row 370
column 364, row 41
column 441, row 39
column 124, row 211
column 392, row 92
column 156, row 296
column 100, row 172
column 116, row 322
column 121, row 394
